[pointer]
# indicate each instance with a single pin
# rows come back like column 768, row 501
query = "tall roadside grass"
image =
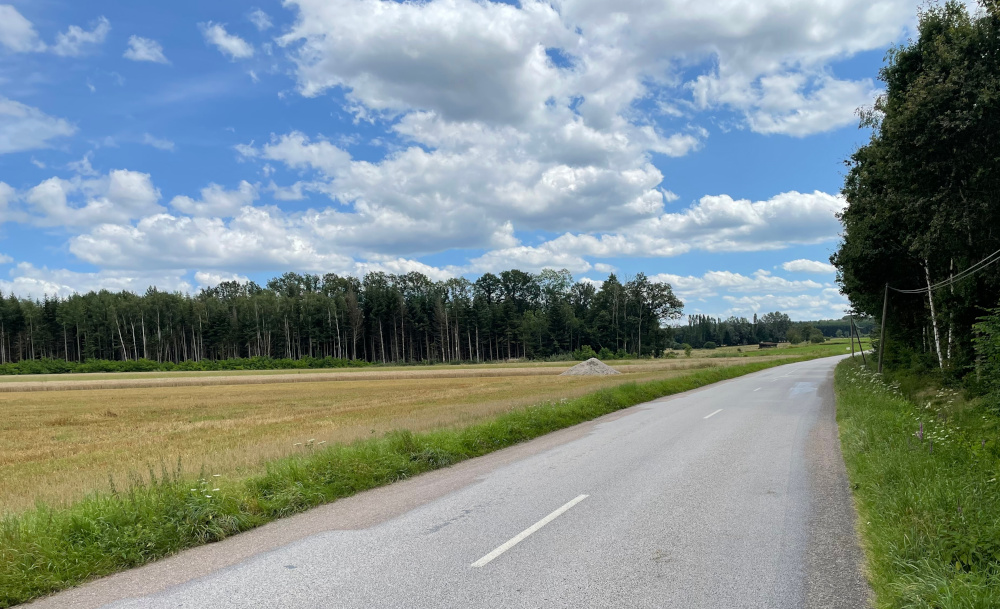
column 45, row 550
column 925, row 476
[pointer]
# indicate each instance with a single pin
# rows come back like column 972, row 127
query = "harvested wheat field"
column 63, row 437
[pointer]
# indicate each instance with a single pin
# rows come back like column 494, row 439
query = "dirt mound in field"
column 591, row 367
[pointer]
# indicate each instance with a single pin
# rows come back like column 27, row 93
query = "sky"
column 184, row 143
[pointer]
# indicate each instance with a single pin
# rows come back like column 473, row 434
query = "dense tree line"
column 924, row 193
column 771, row 327
column 377, row 318
column 702, row 329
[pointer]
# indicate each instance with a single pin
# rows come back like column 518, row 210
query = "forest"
column 378, row 318
column 922, row 225
column 771, row 327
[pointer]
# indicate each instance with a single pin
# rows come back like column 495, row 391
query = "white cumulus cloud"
column 76, row 40
column 228, row 44
column 23, row 127
column 803, row 265
column 261, row 20
column 145, row 49
column 17, row 33
column 210, row 279
column 118, row 197
column 761, row 292
column 216, row 201
column 29, row 281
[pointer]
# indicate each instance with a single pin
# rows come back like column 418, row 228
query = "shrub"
column 58, row 366
column 584, row 353
column 605, row 354
column 687, row 349
column 709, row 345
column 986, row 341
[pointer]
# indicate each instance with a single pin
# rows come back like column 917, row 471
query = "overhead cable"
column 975, row 268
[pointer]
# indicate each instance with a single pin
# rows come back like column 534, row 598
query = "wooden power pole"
column 881, row 340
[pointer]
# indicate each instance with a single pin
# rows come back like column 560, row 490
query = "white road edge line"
column 713, row 414
column 482, row 562
column 757, row 389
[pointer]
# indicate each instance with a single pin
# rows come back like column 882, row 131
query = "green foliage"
column 987, row 345
column 794, row 336
column 687, row 349
column 734, row 330
column 925, row 479
column 709, row 345
column 922, row 193
column 50, row 549
column 379, row 318
column 605, row 354
column 584, row 353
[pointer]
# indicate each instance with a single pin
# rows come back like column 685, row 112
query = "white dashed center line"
column 482, row 562
column 713, row 414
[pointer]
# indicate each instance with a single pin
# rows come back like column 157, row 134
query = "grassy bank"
column 925, row 470
column 45, row 550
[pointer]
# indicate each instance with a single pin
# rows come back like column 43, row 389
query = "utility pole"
column 852, row 335
column 881, row 340
column 855, row 330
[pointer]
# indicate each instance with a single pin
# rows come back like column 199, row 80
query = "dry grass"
column 57, row 442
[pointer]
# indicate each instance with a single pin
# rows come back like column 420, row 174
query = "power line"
column 975, row 268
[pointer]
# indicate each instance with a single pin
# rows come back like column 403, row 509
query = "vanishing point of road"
column 734, row 495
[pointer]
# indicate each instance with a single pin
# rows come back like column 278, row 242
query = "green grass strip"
column 46, row 550
column 925, row 483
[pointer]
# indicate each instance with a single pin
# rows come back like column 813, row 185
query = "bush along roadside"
column 58, row 366
column 49, row 549
column 925, row 478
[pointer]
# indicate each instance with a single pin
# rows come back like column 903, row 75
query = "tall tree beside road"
column 924, row 194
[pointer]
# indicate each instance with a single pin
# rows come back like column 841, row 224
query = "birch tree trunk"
column 930, row 297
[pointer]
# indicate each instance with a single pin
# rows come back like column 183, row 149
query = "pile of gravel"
column 591, row 367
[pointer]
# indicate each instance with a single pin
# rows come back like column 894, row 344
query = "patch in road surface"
column 802, row 387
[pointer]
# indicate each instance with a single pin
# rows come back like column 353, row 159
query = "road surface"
column 734, row 495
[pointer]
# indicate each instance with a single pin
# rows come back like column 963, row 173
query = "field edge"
column 46, row 550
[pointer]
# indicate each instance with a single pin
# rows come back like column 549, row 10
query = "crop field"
column 62, row 436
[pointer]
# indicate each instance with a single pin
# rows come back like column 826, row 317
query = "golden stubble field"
column 61, row 437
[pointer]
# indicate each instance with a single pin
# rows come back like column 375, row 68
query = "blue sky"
column 180, row 144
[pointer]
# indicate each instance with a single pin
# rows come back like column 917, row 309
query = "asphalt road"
column 731, row 496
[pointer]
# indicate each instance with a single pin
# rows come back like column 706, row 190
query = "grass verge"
column 45, row 550
column 924, row 472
